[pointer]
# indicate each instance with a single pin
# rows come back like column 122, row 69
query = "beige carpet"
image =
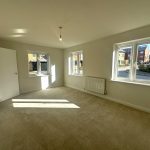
column 97, row 125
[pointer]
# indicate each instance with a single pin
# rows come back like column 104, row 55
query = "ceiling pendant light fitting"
column 60, row 36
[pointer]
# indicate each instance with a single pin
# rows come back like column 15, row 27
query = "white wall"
column 98, row 63
column 27, row 83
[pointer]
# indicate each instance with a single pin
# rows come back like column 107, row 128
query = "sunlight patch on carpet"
column 43, row 103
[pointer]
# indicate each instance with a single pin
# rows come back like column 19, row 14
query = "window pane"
column 75, row 63
column 43, row 59
column 80, row 63
column 143, row 62
column 124, row 62
column 69, row 65
column 32, row 61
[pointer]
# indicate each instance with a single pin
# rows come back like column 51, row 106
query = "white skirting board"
column 112, row 99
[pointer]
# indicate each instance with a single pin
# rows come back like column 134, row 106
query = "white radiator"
column 96, row 85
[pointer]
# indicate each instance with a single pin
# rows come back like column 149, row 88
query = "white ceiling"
column 82, row 20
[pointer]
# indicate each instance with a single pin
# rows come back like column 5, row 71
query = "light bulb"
column 60, row 38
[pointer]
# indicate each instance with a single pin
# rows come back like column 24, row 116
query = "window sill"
column 76, row 75
column 36, row 75
column 132, row 82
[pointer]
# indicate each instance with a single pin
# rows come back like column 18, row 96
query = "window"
column 75, row 62
column 37, row 64
column 131, row 61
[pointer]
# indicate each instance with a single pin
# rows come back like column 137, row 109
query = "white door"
column 8, row 74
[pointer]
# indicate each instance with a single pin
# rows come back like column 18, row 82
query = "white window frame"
column 70, row 64
column 39, row 73
column 132, row 73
